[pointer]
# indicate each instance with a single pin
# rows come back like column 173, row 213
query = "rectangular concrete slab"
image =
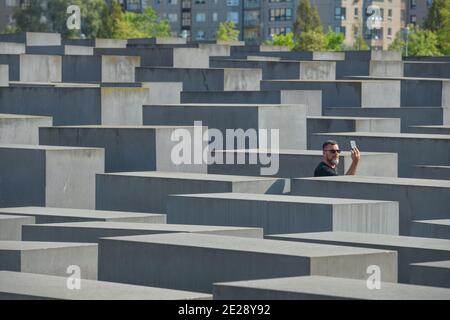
column 33, row 38
column 418, row 198
column 323, row 288
column 431, row 228
column 413, row 149
column 64, row 215
column 49, row 176
column 410, row 249
column 4, row 75
column 436, row 129
column 27, row 286
column 11, row 226
column 90, row 232
column 280, row 213
column 12, row 48
column 50, row 258
column 434, row 274
column 288, row 163
column 21, row 129
column 195, row 261
column 149, row 191
column 127, row 148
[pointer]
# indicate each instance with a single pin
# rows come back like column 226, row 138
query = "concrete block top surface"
column 21, row 116
column 190, row 176
column 370, row 239
column 388, row 135
column 398, row 78
column 434, row 126
column 434, row 264
column 36, row 245
column 44, row 148
column 298, row 152
column 78, row 213
column 442, row 222
column 9, row 217
column 46, row 286
column 279, row 198
column 343, row 288
column 146, row 127
column 144, row 226
column 385, row 180
column 219, row 105
column 247, row 244
column 346, row 118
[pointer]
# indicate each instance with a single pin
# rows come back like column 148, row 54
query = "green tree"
column 308, row 18
column 334, row 40
column 286, row 40
column 421, row 42
column 227, row 32
column 359, row 43
column 141, row 25
column 438, row 21
column 313, row 40
column 31, row 18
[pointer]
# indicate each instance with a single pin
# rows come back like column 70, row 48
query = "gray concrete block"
column 419, row 69
column 90, row 232
column 323, row 288
column 12, row 48
column 301, row 163
column 110, row 43
column 283, row 213
column 408, row 116
column 409, row 249
column 413, row 149
column 304, row 70
column 431, row 228
column 11, row 226
column 431, row 129
column 50, row 258
column 151, row 41
column 127, row 148
column 375, row 55
column 64, row 215
column 345, row 93
column 432, row 172
column 40, row 68
column 311, row 98
column 434, row 274
column 33, row 38
column 290, row 120
column 4, row 75
column 215, row 49
column 149, row 191
column 27, row 286
column 21, row 129
column 195, row 261
column 61, row 50
column 49, row 176
column 164, row 92
column 418, row 198
column 203, row 79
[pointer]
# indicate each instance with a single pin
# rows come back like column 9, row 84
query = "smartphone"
column 353, row 144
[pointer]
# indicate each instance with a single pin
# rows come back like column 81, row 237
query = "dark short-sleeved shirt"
column 323, row 170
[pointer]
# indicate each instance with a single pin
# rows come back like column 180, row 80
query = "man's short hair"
column 329, row 143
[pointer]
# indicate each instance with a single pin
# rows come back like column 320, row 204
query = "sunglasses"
column 334, row 151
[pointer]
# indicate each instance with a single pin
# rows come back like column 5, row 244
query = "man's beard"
column 335, row 162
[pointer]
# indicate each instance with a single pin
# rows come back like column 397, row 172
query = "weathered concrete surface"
column 27, row 286
column 145, row 41
column 290, row 55
column 21, row 129
column 323, row 288
column 64, row 215
column 49, row 176
column 345, row 93
column 436, row 274
column 374, row 55
column 149, row 191
column 290, row 120
column 408, row 116
column 40, row 68
column 197, row 261
column 12, row 48
column 368, row 68
column 432, row 172
column 427, row 69
column 51, row 258
column 418, row 198
column 409, row 249
column 311, row 98
column 203, row 79
column 304, row 70
column 61, row 50
column 11, row 226
column 431, row 228
column 33, row 38
column 90, row 232
column 301, row 163
column 284, row 214
column 164, row 92
column 434, row 149
column 127, row 148
column 97, row 43
column 4, row 75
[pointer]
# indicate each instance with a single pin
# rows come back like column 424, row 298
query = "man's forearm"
column 352, row 170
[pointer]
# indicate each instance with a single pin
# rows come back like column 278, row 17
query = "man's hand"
column 356, row 155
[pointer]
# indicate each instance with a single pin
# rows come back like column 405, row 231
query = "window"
column 172, row 17
column 413, row 4
column 356, row 12
column 200, row 17
column 339, row 13
column 174, row 2
column 231, row 3
column 277, row 31
column 233, row 17
column 390, row 14
column 215, row 16
column 389, row 32
column 340, row 30
column 413, row 19
column 11, row 3
column 284, row 14
column 200, row 35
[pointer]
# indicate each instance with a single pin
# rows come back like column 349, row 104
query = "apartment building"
column 6, row 12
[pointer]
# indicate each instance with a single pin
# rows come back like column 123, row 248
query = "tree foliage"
column 307, row 18
column 421, row 42
column 438, row 21
column 227, row 31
